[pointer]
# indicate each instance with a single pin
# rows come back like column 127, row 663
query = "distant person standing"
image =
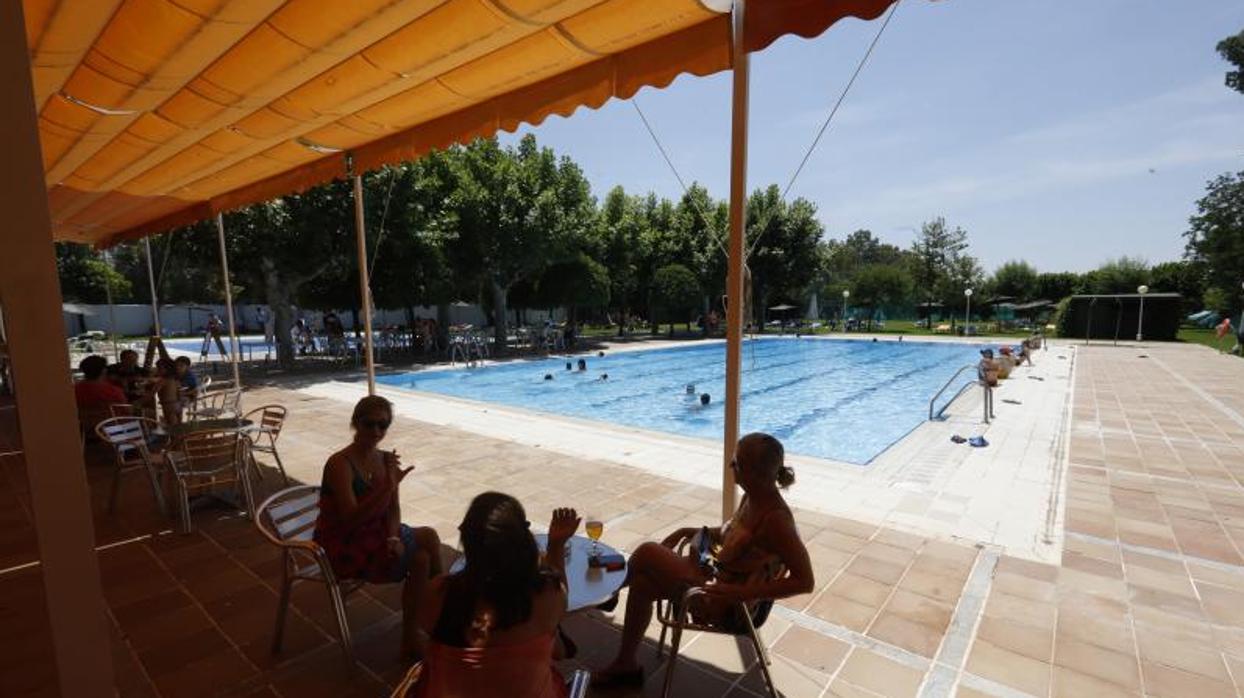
column 213, row 334
column 987, row 373
column 268, row 323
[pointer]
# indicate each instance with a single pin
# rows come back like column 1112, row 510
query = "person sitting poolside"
column 1025, row 353
column 189, row 379
column 95, row 391
column 494, row 623
column 360, row 524
column 759, row 536
column 167, row 390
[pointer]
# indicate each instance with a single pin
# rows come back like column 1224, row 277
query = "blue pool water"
column 842, row 400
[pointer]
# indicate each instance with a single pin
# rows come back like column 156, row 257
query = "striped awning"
column 157, row 113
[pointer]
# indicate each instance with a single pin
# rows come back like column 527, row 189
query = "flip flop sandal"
column 958, row 439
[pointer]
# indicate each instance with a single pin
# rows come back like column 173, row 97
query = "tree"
column 1016, row 279
column 1232, row 50
column 86, row 278
column 1055, row 286
column 963, row 273
column 879, row 285
column 1216, row 236
column 1184, row 277
column 516, row 208
column 1122, row 275
column 577, row 282
column 783, row 242
column 676, row 292
column 933, row 253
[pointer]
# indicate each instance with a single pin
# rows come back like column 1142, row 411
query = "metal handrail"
column 938, row 394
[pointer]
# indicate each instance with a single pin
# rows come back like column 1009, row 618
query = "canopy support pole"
column 360, row 234
column 155, row 302
column 734, row 276
column 234, row 344
column 112, row 312
column 50, row 443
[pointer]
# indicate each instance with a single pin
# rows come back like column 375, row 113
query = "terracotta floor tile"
column 844, row 612
column 902, row 632
column 1092, row 565
column 876, row 570
column 1166, row 601
column 920, row 609
column 1020, row 610
column 1192, row 657
column 861, row 589
column 823, row 654
column 871, row 671
column 1006, row 667
column 1165, row 682
column 1024, row 587
column 1030, row 641
column 1223, row 605
column 1069, row 683
column 1110, row 666
column 935, row 586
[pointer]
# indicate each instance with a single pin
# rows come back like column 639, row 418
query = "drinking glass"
column 595, row 526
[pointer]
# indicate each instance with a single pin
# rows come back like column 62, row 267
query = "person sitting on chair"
column 495, row 622
column 360, row 524
column 95, row 390
column 758, row 539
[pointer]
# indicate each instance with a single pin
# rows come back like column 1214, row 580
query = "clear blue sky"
column 1064, row 132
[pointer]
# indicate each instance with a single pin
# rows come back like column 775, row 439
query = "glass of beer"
column 595, row 526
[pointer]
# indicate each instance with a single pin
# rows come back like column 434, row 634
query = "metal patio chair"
column 130, row 439
column 577, row 684
column 287, row 519
column 266, row 428
column 674, row 615
column 205, row 461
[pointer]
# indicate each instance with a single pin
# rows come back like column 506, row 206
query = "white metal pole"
column 360, row 234
column 234, row 344
column 155, row 302
column 734, row 277
column 1140, row 322
column 112, row 311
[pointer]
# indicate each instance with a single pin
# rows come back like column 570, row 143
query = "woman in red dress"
column 360, row 525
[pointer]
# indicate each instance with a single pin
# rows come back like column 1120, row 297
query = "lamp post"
column 846, row 293
column 967, row 313
column 1140, row 323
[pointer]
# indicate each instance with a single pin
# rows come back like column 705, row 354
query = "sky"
column 1061, row 132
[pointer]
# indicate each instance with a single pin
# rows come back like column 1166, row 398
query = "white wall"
column 135, row 320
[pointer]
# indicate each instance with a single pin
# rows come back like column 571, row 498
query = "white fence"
column 190, row 320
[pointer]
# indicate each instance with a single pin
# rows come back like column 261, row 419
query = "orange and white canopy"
column 157, row 113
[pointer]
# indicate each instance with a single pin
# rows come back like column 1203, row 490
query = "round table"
column 180, row 431
column 586, row 587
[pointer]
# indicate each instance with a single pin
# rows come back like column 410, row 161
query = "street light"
column 846, row 293
column 1140, row 324
column 967, row 314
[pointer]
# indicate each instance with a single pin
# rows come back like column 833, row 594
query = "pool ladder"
column 962, row 388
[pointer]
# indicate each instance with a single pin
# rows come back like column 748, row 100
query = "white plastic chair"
column 287, row 519
column 130, row 439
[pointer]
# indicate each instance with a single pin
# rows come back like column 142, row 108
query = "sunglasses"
column 381, row 424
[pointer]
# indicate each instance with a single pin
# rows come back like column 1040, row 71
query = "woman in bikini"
column 493, row 624
column 758, row 556
column 360, row 525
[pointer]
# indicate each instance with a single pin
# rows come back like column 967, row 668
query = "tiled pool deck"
column 1146, row 598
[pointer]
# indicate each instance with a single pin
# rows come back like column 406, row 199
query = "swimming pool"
column 836, row 399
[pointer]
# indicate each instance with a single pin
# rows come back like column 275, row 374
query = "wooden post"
column 112, row 312
column 734, row 277
column 235, row 347
column 360, row 234
column 52, row 449
column 155, row 302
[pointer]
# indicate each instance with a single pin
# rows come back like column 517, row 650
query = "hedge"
column 1116, row 317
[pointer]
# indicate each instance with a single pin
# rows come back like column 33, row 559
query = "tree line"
column 513, row 228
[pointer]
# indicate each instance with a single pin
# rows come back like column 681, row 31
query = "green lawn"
column 1208, row 337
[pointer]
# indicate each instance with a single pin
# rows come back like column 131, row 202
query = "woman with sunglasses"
column 360, row 524
column 757, row 555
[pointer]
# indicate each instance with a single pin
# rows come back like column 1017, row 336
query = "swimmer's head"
column 582, row 365
column 600, row 353
column 548, row 376
column 568, row 366
column 604, row 376
column 704, row 398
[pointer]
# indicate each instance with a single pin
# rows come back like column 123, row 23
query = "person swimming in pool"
column 705, row 399
column 691, row 388
column 569, row 366
column 582, row 364
column 603, row 377
column 548, row 376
